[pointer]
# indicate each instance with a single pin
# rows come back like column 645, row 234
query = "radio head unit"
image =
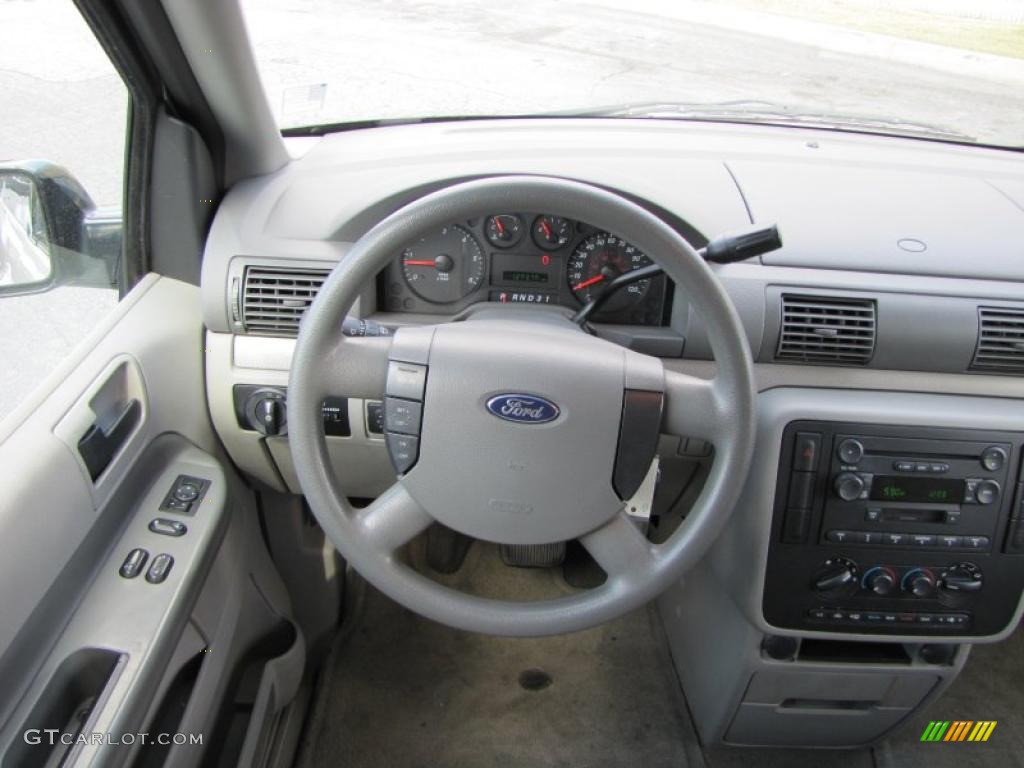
column 899, row 530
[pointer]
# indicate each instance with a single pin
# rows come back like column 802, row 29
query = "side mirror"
column 52, row 233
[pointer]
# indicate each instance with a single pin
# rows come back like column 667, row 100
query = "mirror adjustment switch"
column 133, row 564
column 185, row 494
column 402, row 415
column 159, row 569
column 404, row 450
column 166, row 527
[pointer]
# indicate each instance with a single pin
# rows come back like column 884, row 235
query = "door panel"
column 59, row 525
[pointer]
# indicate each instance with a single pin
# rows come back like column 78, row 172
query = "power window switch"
column 133, row 564
column 158, row 571
column 166, row 527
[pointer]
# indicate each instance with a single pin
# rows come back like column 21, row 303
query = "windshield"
column 946, row 68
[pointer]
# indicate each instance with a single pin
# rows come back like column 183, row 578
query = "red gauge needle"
column 419, row 263
column 585, row 283
column 500, row 226
column 546, row 229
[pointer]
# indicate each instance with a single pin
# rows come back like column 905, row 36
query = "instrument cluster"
column 533, row 258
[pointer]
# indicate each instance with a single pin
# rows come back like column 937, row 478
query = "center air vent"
column 274, row 298
column 1000, row 344
column 824, row 329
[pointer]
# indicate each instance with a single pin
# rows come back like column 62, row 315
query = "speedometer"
column 600, row 259
column 444, row 266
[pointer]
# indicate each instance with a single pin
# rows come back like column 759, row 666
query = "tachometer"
column 444, row 266
column 600, row 259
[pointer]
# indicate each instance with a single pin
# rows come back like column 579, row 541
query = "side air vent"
column 824, row 329
column 1000, row 344
column 274, row 298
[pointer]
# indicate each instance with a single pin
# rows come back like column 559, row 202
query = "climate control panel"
column 896, row 530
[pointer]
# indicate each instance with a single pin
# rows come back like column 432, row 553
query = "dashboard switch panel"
column 895, row 530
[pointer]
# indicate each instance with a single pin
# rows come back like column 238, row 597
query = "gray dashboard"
column 925, row 232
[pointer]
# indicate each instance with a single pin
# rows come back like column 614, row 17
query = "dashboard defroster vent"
column 827, row 330
column 1000, row 345
column 274, row 299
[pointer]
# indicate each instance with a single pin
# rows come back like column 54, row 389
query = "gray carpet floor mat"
column 401, row 690
column 404, row 692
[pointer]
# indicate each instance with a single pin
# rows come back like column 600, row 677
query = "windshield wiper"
column 766, row 112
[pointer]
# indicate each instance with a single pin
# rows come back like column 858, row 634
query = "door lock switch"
column 166, row 527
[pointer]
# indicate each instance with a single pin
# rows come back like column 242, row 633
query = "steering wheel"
column 519, row 427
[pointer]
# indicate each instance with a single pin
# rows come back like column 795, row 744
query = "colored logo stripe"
column 958, row 730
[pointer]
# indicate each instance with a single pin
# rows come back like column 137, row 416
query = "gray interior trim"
column 215, row 42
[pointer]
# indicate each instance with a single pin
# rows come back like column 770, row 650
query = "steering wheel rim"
column 721, row 410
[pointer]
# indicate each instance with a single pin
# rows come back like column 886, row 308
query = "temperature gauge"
column 551, row 232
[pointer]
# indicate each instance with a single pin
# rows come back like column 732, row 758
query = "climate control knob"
column 836, row 576
column 848, row 486
column 920, row 582
column 961, row 578
column 881, row 579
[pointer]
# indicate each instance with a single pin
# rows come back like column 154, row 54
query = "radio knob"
column 919, row 582
column 836, row 575
column 850, row 451
column 987, row 492
column 881, row 580
column 848, row 486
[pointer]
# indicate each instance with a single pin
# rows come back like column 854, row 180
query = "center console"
column 895, row 530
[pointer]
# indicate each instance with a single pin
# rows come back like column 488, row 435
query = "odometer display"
column 597, row 261
column 444, row 266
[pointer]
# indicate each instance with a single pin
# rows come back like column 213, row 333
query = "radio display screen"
column 917, row 490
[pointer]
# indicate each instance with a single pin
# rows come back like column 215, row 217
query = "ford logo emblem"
column 523, row 409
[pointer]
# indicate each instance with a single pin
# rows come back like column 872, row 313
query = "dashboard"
column 522, row 258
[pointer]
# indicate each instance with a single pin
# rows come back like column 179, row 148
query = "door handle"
column 98, row 446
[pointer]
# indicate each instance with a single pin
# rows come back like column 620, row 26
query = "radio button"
column 850, row 451
column 952, row 516
column 922, row 467
column 976, row 542
column 896, row 539
column 839, row 537
column 993, row 458
column 939, row 468
column 903, row 466
column 873, row 514
column 951, row 542
column 806, row 451
column 867, row 537
column 923, row 539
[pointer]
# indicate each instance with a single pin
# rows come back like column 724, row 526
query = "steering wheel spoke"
column 392, row 520
column 619, row 548
column 355, row 367
column 694, row 407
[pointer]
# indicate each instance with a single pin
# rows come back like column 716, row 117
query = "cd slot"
column 903, row 515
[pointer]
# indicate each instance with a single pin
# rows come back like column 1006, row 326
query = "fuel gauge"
column 503, row 230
